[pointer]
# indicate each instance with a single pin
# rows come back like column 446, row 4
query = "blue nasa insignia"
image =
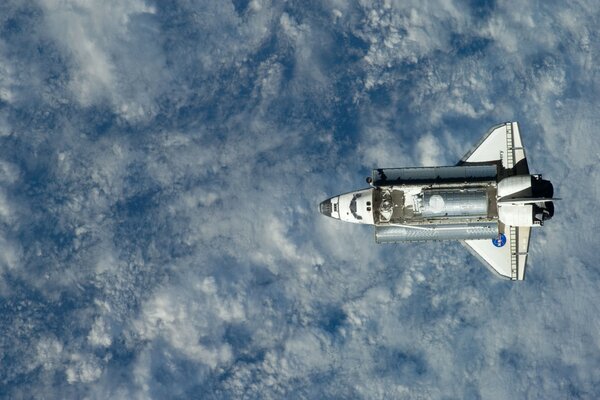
column 500, row 240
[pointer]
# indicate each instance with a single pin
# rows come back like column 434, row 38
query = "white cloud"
column 83, row 368
column 304, row 353
column 184, row 320
column 7, row 79
column 49, row 353
column 11, row 255
column 99, row 334
column 381, row 148
column 111, row 58
column 429, row 150
column 9, row 172
column 190, row 250
column 405, row 32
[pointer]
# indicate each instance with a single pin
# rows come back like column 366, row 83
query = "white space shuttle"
column 488, row 201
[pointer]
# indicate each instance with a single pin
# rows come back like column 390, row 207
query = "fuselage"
column 488, row 201
column 459, row 202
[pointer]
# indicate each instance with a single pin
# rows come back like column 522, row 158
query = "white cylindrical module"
column 454, row 203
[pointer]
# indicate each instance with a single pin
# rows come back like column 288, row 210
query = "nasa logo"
column 500, row 240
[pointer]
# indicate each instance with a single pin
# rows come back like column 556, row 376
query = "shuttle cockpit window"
column 353, row 206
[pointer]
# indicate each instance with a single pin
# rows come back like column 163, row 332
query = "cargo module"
column 488, row 201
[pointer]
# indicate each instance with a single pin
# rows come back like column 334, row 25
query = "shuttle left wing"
column 506, row 255
column 502, row 144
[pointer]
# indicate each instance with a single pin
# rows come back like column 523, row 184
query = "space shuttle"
column 488, row 201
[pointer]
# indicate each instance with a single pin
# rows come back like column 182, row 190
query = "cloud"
column 83, row 369
column 429, row 150
column 113, row 53
column 160, row 171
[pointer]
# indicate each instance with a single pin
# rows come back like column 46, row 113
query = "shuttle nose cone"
column 329, row 207
column 326, row 207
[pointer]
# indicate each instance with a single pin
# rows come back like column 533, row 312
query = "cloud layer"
column 160, row 168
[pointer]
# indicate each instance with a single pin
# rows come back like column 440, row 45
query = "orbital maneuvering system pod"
column 488, row 201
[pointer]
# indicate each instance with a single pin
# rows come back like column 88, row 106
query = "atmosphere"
column 161, row 169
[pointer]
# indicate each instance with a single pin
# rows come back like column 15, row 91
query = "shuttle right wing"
column 506, row 255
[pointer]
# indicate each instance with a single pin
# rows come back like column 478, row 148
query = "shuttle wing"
column 506, row 255
column 501, row 145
